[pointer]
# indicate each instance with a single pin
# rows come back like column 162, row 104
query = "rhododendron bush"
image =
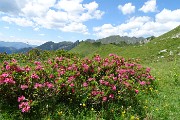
column 92, row 82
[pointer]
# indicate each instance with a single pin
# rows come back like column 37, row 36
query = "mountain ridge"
column 17, row 45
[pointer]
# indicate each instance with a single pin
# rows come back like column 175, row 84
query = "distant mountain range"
column 55, row 46
column 19, row 47
column 11, row 47
column 16, row 45
column 118, row 39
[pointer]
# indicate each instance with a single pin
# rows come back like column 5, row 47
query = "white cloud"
column 70, row 6
column 91, row 6
column 167, row 15
column 149, row 6
column 19, row 21
column 105, row 30
column 142, row 26
column 128, row 8
column 37, row 8
column 53, row 14
column 75, row 27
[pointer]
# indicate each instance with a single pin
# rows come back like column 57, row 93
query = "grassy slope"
column 166, row 70
column 146, row 52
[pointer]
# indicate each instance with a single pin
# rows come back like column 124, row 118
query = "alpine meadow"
column 89, row 60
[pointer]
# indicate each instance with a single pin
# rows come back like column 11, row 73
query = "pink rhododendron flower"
column 85, row 67
column 126, row 84
column 34, row 76
column 126, row 76
column 61, row 72
column 114, row 88
column 111, row 96
column 132, row 72
column 71, row 85
column 70, row 79
column 14, row 61
column 111, row 75
column 148, row 70
column 139, row 67
column 6, row 63
column 85, row 84
column 38, row 85
column 24, row 106
column 21, row 98
column 7, row 67
column 150, row 77
column 115, row 78
column 51, row 76
column 91, row 79
column 142, row 83
column 9, row 80
column 70, row 68
column 5, row 75
column 56, row 65
column 104, row 98
column 122, row 71
column 49, row 85
column 27, row 69
column 139, row 76
column 137, row 91
column 94, row 93
column 106, row 83
column 97, row 58
column 39, row 67
column 101, row 81
column 26, row 109
column 105, row 64
column 110, row 55
column 37, row 63
column 23, row 87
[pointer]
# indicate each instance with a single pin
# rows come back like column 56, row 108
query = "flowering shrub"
column 91, row 82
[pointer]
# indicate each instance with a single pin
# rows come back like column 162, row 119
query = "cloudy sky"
column 38, row 21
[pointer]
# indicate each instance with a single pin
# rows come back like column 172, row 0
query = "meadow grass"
column 166, row 105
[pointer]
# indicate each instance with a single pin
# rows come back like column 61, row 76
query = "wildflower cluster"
column 88, row 81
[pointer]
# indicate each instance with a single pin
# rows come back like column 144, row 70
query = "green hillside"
column 163, row 47
column 118, row 39
column 175, row 33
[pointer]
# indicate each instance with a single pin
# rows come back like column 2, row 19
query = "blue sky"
column 38, row 21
